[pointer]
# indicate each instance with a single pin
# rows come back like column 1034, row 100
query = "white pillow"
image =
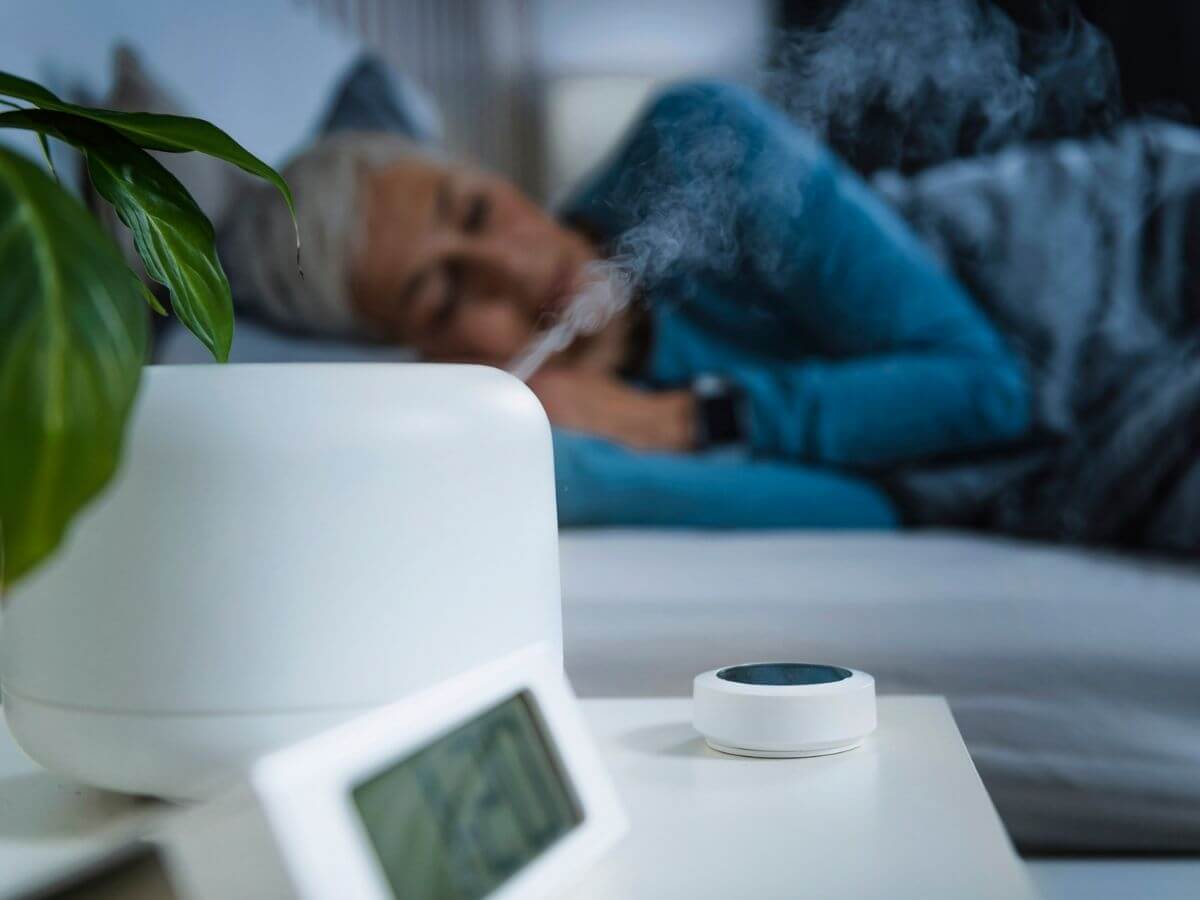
column 256, row 343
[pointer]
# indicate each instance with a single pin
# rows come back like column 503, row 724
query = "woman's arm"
column 881, row 410
column 911, row 368
column 601, row 483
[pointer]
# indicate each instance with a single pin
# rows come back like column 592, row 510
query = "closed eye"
column 478, row 211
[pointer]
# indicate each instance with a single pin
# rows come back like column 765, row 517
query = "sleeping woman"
column 796, row 355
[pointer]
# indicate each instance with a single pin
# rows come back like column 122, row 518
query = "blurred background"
column 541, row 90
column 537, row 89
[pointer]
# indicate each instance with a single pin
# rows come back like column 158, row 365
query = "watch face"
column 720, row 412
column 461, row 816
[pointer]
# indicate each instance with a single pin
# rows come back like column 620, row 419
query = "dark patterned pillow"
column 372, row 96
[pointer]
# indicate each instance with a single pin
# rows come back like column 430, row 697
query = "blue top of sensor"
column 784, row 674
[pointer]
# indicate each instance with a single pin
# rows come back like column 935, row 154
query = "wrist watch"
column 720, row 412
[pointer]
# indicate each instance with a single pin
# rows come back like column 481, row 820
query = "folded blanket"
column 1085, row 254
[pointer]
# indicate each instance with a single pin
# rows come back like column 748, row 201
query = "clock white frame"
column 291, row 829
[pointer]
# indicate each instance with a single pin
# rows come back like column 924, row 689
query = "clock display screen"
column 459, row 817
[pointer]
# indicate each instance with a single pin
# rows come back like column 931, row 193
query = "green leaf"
column 173, row 236
column 148, row 296
column 23, row 89
column 172, row 134
column 72, row 343
column 45, row 145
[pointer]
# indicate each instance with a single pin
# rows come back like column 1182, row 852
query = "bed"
column 1074, row 675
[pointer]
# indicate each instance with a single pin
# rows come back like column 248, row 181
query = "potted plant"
column 73, row 330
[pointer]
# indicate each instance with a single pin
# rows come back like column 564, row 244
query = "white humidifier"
column 284, row 546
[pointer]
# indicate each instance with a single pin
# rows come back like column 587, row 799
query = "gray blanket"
column 1085, row 254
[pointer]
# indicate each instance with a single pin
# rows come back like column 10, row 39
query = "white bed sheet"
column 1074, row 675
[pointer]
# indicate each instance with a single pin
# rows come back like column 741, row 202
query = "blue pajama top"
column 770, row 263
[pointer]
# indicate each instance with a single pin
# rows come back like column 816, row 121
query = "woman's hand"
column 602, row 405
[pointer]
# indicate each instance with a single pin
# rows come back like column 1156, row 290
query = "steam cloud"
column 895, row 84
column 683, row 206
column 903, row 84
column 605, row 293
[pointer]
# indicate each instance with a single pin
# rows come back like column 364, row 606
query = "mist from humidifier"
column 963, row 58
column 606, row 291
column 909, row 83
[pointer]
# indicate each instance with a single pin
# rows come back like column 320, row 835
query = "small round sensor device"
column 783, row 709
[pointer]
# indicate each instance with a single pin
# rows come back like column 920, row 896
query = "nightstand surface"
column 904, row 815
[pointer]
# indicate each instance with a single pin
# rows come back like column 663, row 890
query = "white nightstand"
column 905, row 815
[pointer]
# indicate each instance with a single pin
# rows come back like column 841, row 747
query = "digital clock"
column 462, row 816
column 485, row 786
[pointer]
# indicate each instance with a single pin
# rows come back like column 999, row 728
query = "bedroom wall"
column 598, row 60
column 263, row 69
column 228, row 64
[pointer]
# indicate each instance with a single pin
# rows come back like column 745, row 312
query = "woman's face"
column 459, row 265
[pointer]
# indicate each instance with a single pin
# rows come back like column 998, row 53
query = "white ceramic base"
column 177, row 757
column 782, row 754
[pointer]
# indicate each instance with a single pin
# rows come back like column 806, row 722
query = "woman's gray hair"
column 258, row 246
